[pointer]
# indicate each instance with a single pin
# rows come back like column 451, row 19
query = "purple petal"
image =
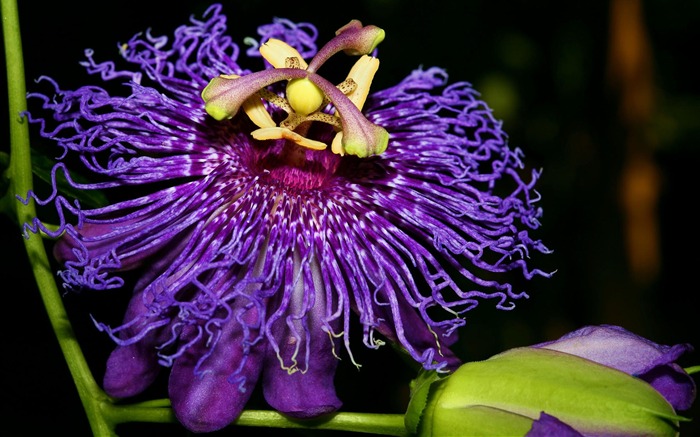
column 612, row 346
column 550, row 426
column 674, row 384
column 208, row 392
column 301, row 359
column 131, row 368
column 307, row 392
column 99, row 239
column 618, row 348
column 426, row 342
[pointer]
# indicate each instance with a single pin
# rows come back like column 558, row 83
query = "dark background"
column 605, row 100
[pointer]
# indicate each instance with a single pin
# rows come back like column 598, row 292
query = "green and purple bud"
column 536, row 391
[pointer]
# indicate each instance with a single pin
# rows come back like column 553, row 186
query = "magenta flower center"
column 293, row 166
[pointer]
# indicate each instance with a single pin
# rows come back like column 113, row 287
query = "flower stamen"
column 307, row 94
column 276, row 52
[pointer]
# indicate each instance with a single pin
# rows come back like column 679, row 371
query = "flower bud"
column 507, row 393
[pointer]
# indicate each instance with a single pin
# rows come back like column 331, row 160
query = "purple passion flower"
column 260, row 210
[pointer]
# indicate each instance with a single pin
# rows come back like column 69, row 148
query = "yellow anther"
column 337, row 144
column 278, row 133
column 362, row 74
column 257, row 112
column 276, row 53
column 304, row 96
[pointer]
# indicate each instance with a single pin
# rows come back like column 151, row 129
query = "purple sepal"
column 550, row 426
column 615, row 347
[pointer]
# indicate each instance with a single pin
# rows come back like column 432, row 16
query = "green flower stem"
column 159, row 411
column 19, row 173
column 147, row 412
column 383, row 424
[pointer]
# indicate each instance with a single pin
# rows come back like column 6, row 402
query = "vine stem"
column 384, row 424
column 159, row 411
column 19, row 173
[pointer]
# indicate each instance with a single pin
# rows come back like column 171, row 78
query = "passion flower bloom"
column 598, row 380
column 260, row 210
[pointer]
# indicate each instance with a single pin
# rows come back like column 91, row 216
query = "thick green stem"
column 383, row 424
column 159, row 411
column 20, row 176
column 147, row 412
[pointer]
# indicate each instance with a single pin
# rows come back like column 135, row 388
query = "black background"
column 541, row 66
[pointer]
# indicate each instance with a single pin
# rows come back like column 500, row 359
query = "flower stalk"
column 380, row 424
column 20, row 176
